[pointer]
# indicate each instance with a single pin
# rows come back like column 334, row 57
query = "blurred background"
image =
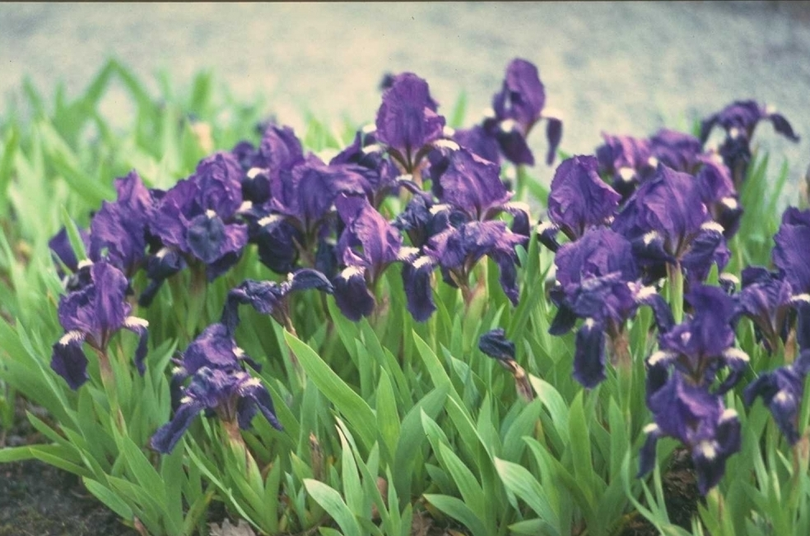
column 622, row 68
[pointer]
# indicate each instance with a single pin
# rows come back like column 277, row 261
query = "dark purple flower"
column 516, row 109
column 458, row 249
column 676, row 150
column 696, row 418
column 719, row 194
column 598, row 281
column 626, row 160
column 790, row 255
column 219, row 384
column 368, row 158
column 578, row 198
column 367, row 246
column 782, row 391
column 118, row 230
column 739, row 120
column 93, row 314
column 667, row 221
column 704, row 343
column 271, row 298
column 768, row 301
column 478, row 141
column 196, row 216
column 407, row 121
column 231, row 393
column 62, row 250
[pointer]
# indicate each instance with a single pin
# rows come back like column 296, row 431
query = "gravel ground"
column 619, row 67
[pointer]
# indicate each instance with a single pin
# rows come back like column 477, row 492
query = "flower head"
column 93, row 313
column 696, row 418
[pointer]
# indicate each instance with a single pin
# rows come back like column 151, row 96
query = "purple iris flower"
column 478, row 141
column 719, row 193
column 739, row 120
column 93, row 313
column 704, row 343
column 782, row 391
column 667, row 222
column 219, row 384
column 598, row 281
column 473, row 185
column 768, row 301
column 271, row 298
column 626, row 160
column 62, row 251
column 300, row 216
column 458, row 249
column 118, row 231
column 676, row 150
column 578, row 199
column 516, row 109
column 792, row 244
column 407, row 122
column 197, row 217
column 696, row 418
column 368, row 158
column 367, row 246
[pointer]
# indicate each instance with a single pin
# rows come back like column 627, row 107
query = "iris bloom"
column 407, row 122
column 578, row 199
column 790, row 255
column 93, row 313
column 696, row 418
column 768, row 301
column 739, row 120
column 298, row 220
column 118, row 230
column 516, row 109
column 196, row 221
column 782, row 391
column 704, row 343
column 667, row 222
column 367, row 246
column 598, row 281
column 219, row 385
column 271, row 298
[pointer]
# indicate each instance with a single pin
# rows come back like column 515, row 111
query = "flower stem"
column 675, row 275
column 108, row 381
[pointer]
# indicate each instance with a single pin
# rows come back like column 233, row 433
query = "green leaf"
column 522, row 483
column 555, row 404
column 330, row 500
column 349, row 403
column 466, row 482
column 459, row 511
column 110, row 499
column 387, row 416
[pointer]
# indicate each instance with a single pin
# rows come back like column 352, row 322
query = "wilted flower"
column 696, row 418
column 495, row 344
column 93, row 313
column 219, row 384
